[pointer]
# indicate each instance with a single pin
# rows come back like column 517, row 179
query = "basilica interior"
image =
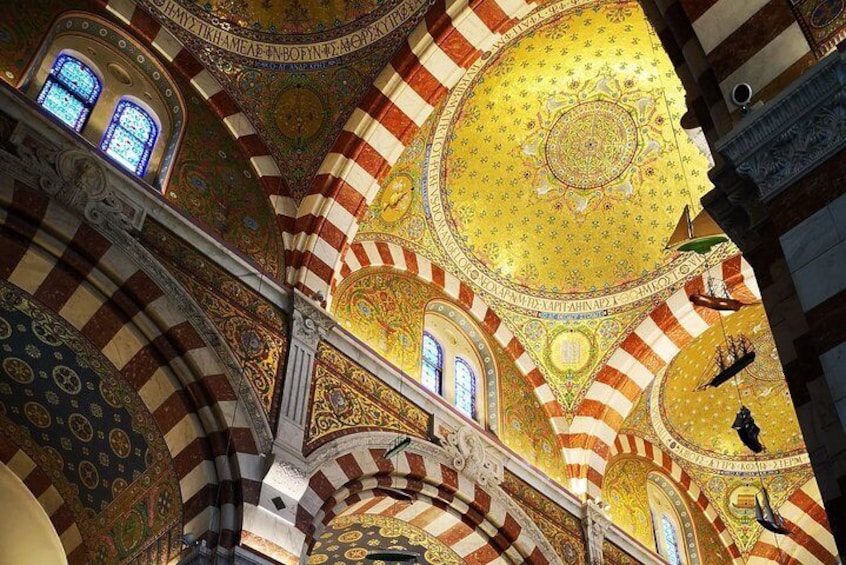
column 423, row 281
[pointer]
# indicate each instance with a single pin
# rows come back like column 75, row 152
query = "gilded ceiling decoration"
column 350, row 538
column 554, row 167
column 386, row 309
column 699, row 422
column 347, row 399
column 297, row 69
column 69, row 409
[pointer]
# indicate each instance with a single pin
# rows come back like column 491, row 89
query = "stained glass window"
column 130, row 137
column 671, row 543
column 70, row 91
column 433, row 364
column 465, row 388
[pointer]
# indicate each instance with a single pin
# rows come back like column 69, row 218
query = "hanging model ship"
column 767, row 517
column 699, row 235
column 737, row 354
column 748, row 430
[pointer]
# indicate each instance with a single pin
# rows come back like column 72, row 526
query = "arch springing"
column 130, row 137
column 70, row 91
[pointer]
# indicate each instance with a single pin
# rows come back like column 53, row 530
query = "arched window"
column 465, row 388
column 70, row 91
column 433, row 364
column 671, row 540
column 130, row 137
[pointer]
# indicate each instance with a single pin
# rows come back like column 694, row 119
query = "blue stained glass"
column 70, row 91
column 671, row 543
column 465, row 388
column 433, row 364
column 130, row 137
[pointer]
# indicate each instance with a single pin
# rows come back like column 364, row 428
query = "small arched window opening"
column 433, row 364
column 672, row 523
column 465, row 388
column 466, row 370
column 671, row 540
column 130, row 137
column 70, row 91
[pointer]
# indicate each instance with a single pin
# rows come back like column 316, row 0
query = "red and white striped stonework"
column 427, row 65
column 75, row 272
column 633, row 445
column 634, row 364
column 41, row 487
column 451, row 529
column 810, row 542
column 174, row 52
column 345, row 481
column 382, row 254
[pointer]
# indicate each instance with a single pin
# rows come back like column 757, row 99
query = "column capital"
column 596, row 522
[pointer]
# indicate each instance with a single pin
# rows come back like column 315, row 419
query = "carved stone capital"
column 595, row 521
column 311, row 323
column 790, row 136
column 471, row 456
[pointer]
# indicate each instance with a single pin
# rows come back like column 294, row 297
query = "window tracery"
column 130, row 137
column 70, row 91
column 433, row 364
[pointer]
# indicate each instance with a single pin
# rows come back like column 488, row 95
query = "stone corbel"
column 595, row 521
column 311, row 322
column 471, row 456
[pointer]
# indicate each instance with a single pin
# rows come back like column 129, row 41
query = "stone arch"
column 634, row 364
column 369, row 254
column 811, row 540
column 77, row 273
column 353, row 469
column 159, row 39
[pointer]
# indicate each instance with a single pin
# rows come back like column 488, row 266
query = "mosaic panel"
column 561, row 529
column 347, row 399
column 65, row 405
column 349, row 539
column 253, row 328
column 823, row 21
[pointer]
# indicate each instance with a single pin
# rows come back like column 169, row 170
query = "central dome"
column 554, row 169
column 591, row 144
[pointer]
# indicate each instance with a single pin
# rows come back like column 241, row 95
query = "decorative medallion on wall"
column 71, row 411
column 347, row 399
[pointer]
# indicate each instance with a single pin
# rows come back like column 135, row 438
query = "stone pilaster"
column 596, row 522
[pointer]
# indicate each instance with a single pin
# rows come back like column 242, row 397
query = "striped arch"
column 634, row 364
column 74, row 271
column 382, row 254
column 633, row 445
column 810, row 542
column 55, row 507
column 427, row 65
column 354, row 470
column 239, row 126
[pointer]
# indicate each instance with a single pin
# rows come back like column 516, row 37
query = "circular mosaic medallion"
column 355, row 554
column 80, row 427
column 396, row 198
column 119, row 442
column 18, row 370
column 118, row 486
column 591, row 144
column 350, row 537
column 5, row 329
column 299, row 113
column 132, row 530
column 45, row 332
column 88, row 474
column 67, row 379
column 54, row 457
column 37, row 414
column 318, row 559
column 826, row 12
column 110, row 394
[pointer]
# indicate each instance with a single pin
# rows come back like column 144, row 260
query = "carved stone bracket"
column 595, row 521
column 311, row 323
column 780, row 143
column 471, row 456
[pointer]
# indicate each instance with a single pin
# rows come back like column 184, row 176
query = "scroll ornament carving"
column 595, row 521
column 470, row 457
column 798, row 149
column 311, row 323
